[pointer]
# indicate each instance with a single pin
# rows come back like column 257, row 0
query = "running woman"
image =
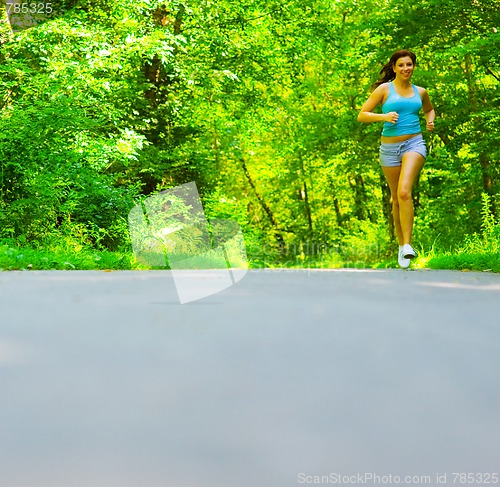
column 402, row 149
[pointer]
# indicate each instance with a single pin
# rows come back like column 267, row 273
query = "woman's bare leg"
column 392, row 174
column 411, row 166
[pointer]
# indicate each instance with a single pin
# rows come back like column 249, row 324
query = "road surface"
column 286, row 378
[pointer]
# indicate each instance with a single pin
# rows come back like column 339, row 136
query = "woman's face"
column 403, row 67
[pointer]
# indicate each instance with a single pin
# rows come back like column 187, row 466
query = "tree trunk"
column 308, row 211
column 153, row 69
column 487, row 180
column 263, row 204
column 305, row 198
column 6, row 33
column 359, row 190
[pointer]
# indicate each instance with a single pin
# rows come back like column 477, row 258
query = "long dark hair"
column 387, row 73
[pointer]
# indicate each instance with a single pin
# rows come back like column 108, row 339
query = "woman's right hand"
column 391, row 117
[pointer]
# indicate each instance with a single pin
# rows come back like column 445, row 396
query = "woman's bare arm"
column 366, row 114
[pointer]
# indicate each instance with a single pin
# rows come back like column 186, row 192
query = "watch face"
column 24, row 14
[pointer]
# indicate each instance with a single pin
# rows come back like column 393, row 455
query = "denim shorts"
column 392, row 154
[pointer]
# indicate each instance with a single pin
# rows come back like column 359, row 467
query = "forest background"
column 106, row 102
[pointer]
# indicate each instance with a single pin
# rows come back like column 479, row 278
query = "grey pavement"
column 287, row 378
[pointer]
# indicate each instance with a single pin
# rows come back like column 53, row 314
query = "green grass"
column 465, row 261
column 13, row 257
column 473, row 257
column 479, row 251
column 459, row 260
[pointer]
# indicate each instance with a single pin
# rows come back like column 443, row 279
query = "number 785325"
column 31, row 8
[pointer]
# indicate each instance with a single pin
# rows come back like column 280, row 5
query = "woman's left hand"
column 430, row 126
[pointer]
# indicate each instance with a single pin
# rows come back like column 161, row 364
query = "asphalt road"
column 286, row 378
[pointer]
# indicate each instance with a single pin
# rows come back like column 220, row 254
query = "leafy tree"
column 110, row 101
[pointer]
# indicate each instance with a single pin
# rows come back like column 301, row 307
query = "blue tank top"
column 407, row 108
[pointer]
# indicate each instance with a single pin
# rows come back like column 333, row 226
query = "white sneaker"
column 403, row 262
column 409, row 251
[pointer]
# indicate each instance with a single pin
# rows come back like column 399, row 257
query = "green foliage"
column 466, row 262
column 480, row 251
column 52, row 175
column 59, row 256
column 255, row 101
column 488, row 240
